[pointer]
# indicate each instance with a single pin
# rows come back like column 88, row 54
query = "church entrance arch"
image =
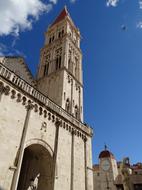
column 36, row 170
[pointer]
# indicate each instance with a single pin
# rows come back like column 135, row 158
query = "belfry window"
column 46, row 67
column 61, row 33
column 58, row 62
column 51, row 39
column 69, row 61
column 46, row 64
column 58, row 58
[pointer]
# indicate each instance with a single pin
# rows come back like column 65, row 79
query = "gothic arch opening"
column 36, row 169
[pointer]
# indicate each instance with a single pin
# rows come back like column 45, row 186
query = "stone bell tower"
column 106, row 172
column 60, row 70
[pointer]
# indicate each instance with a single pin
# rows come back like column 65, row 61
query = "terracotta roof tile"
column 61, row 16
column 106, row 154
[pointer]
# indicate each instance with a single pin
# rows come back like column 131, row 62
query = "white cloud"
column 8, row 51
column 3, row 49
column 73, row 1
column 53, row 1
column 140, row 4
column 18, row 15
column 112, row 3
column 139, row 24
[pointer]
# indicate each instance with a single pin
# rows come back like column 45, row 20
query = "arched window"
column 58, row 58
column 76, row 112
column 58, row 62
column 62, row 32
column 59, row 34
column 69, row 64
column 76, row 74
column 67, row 107
column 46, row 63
column 46, row 68
column 64, row 95
column 49, row 40
column 69, row 61
column 76, row 68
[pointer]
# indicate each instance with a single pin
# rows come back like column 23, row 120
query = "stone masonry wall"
column 41, row 129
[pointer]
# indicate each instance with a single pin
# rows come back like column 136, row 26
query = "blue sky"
column 112, row 62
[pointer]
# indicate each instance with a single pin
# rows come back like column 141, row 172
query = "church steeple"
column 60, row 69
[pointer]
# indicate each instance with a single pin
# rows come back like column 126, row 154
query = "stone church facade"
column 43, row 140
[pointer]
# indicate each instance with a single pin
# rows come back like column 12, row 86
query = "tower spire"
column 64, row 13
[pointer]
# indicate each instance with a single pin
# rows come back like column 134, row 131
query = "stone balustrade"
column 23, row 85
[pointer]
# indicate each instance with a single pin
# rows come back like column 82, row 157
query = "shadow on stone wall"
column 1, row 188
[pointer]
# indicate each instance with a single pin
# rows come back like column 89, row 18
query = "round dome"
column 106, row 154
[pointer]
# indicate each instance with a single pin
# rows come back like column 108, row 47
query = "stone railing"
column 23, row 85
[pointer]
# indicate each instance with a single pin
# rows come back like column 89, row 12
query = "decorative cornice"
column 44, row 102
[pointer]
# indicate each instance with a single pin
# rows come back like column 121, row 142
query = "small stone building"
column 108, row 173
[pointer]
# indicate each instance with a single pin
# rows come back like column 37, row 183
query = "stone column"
column 21, row 149
column 71, row 96
column 72, row 162
column 72, row 61
column 66, row 54
column 85, row 163
column 79, row 103
column 57, row 125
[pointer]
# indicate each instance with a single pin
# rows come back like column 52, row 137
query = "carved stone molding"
column 6, row 90
column 36, row 108
column 31, row 91
column 41, row 110
column 13, row 94
column 45, row 113
column 58, row 123
column 19, row 99
column 49, row 116
column 24, row 99
column 44, row 127
column 84, row 138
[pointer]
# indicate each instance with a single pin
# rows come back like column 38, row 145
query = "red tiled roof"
column 137, row 166
column 106, row 154
column 61, row 16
